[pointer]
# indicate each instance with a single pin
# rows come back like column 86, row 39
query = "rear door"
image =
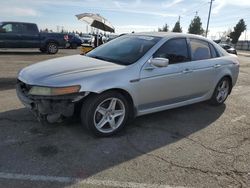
column 203, row 68
column 30, row 36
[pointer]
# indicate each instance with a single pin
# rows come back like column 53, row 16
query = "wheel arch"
column 125, row 93
column 230, row 82
column 51, row 41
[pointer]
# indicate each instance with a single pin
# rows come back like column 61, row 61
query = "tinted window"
column 175, row 50
column 124, row 50
column 199, row 49
column 213, row 51
column 29, row 28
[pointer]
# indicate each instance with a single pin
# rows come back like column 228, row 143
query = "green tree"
column 238, row 29
column 177, row 27
column 195, row 26
column 164, row 28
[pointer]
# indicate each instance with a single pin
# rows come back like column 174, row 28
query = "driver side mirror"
column 2, row 30
column 159, row 62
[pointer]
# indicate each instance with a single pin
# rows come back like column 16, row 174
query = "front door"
column 161, row 86
column 10, row 36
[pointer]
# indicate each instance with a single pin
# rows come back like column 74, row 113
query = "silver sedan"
column 132, row 75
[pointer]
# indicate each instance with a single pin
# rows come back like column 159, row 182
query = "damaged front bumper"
column 48, row 108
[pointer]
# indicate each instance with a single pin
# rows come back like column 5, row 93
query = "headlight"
column 52, row 91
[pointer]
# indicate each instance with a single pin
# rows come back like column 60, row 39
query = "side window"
column 175, row 50
column 9, row 28
column 29, row 28
column 214, row 53
column 199, row 49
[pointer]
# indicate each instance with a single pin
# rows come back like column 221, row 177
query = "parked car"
column 86, row 38
column 73, row 41
column 130, row 76
column 27, row 35
column 229, row 48
column 111, row 37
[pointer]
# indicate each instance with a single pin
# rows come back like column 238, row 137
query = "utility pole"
column 208, row 19
column 196, row 13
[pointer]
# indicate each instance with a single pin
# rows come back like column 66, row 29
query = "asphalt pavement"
column 192, row 146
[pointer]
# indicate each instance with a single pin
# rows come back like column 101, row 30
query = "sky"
column 129, row 15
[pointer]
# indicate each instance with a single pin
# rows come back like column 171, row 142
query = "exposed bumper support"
column 52, row 109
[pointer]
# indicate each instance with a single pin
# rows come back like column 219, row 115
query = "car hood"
column 65, row 69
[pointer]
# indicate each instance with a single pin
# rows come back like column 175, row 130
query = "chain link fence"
column 243, row 45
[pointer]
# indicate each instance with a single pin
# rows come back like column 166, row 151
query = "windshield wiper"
column 99, row 57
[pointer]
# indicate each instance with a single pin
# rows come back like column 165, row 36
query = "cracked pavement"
column 193, row 146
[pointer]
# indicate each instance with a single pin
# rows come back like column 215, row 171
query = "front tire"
column 105, row 114
column 221, row 92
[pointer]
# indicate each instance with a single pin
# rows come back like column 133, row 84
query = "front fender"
column 117, row 80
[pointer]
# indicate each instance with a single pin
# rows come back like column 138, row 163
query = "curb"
column 243, row 54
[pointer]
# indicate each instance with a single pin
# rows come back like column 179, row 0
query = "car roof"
column 170, row 35
column 4, row 22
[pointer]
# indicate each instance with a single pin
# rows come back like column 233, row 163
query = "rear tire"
column 105, row 114
column 52, row 48
column 221, row 92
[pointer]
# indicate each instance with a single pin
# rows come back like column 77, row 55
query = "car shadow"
column 7, row 83
column 70, row 150
column 21, row 53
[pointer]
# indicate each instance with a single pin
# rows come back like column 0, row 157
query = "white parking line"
column 78, row 181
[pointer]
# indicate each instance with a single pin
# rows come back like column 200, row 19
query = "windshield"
column 124, row 50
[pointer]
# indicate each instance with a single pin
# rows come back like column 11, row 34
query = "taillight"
column 66, row 37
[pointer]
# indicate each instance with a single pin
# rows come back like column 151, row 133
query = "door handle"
column 187, row 71
column 149, row 68
column 217, row 65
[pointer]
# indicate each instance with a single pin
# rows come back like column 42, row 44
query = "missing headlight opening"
column 49, row 108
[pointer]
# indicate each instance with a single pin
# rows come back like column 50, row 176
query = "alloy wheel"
column 52, row 48
column 222, row 91
column 109, row 115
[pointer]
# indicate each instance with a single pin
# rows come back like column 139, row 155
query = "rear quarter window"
column 220, row 50
column 214, row 52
